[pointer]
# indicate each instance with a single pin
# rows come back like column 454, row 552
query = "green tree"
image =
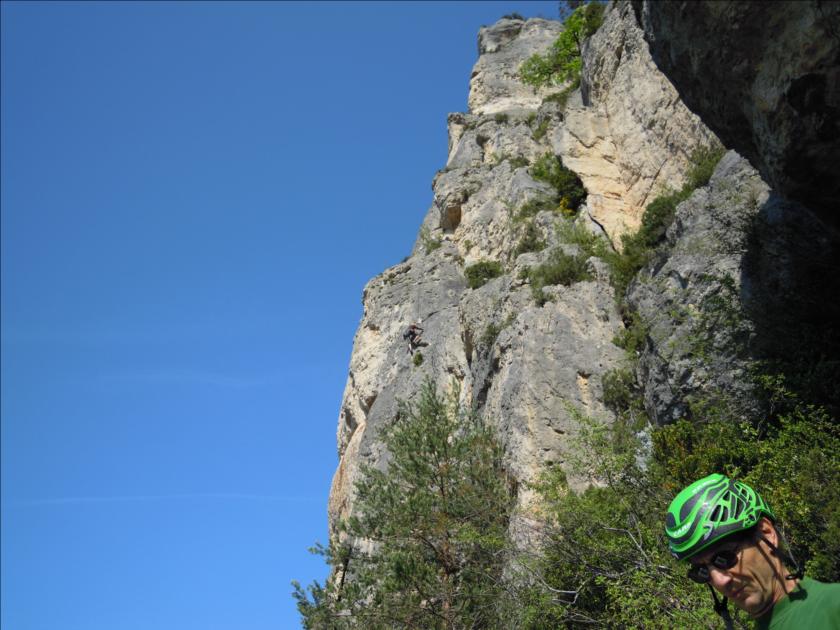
column 429, row 530
column 562, row 63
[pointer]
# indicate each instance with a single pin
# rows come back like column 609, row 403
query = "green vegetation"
column 518, row 162
column 562, row 97
column 481, row 272
column 488, row 337
column 427, row 241
column 562, row 63
column 539, row 133
column 560, row 268
column 568, row 187
column 638, row 248
column 417, row 359
column 501, row 117
column 438, row 518
column 530, row 240
column 607, row 562
column 532, row 207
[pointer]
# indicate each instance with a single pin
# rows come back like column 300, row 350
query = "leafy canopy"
column 424, row 547
column 562, row 63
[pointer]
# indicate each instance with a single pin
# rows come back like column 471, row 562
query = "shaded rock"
column 765, row 77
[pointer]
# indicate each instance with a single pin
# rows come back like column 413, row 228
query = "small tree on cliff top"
column 562, row 63
column 436, row 521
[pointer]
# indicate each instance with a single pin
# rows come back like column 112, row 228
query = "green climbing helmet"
column 711, row 509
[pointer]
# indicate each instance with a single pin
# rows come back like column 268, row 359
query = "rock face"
column 765, row 76
column 696, row 282
column 741, row 280
column 521, row 365
column 627, row 135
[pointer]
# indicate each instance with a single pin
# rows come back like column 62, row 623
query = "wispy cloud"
column 146, row 498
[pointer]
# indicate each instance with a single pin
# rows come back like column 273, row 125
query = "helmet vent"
column 718, row 514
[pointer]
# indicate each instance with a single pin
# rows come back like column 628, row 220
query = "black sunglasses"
column 722, row 560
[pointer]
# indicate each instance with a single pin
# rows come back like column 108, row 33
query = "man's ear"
column 765, row 528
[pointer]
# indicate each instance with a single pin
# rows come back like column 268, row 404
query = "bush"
column 533, row 207
column 417, row 359
column 560, row 268
column 481, row 272
column 562, row 97
column 531, row 240
column 589, row 242
column 606, row 560
column 633, row 337
column 539, row 133
column 427, row 241
column 501, row 117
column 570, row 191
column 518, row 162
column 638, row 248
column 562, row 62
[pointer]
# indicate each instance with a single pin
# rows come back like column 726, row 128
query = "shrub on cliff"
column 637, row 248
column 570, row 191
column 433, row 525
column 562, row 63
column 560, row 268
column 481, row 272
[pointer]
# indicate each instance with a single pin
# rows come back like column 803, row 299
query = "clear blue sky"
column 193, row 197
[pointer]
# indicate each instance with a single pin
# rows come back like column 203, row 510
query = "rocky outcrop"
column 690, row 299
column 741, row 280
column 524, row 366
column 765, row 76
column 626, row 133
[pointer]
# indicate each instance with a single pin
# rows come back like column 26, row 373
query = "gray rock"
column 765, row 76
column 689, row 355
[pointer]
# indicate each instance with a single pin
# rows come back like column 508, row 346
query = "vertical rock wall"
column 519, row 364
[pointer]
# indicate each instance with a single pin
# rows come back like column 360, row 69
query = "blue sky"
column 193, row 197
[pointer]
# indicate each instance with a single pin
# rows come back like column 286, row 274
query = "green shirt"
column 811, row 605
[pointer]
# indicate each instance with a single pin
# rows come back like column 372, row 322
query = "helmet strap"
column 721, row 608
column 786, row 556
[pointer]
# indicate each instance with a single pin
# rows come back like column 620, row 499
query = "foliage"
column 488, row 338
column 482, row 272
column 501, row 117
column 560, row 268
column 562, row 62
column 570, row 191
column 434, row 522
column 427, row 241
column 637, row 249
column 606, row 561
column 530, row 241
column 541, row 129
column 518, row 161
column 591, row 243
column 532, row 207
column 562, row 97
column 417, row 359
column 633, row 336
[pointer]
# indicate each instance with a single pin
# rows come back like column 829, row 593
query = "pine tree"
column 429, row 532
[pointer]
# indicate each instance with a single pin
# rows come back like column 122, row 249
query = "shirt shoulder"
column 814, row 605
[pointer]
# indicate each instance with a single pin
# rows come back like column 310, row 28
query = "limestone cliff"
column 522, row 365
column 519, row 364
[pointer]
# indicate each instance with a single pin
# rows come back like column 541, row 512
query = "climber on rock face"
column 413, row 336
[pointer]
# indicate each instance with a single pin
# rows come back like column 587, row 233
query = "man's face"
column 755, row 583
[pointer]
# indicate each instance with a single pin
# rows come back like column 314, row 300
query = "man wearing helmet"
column 728, row 535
